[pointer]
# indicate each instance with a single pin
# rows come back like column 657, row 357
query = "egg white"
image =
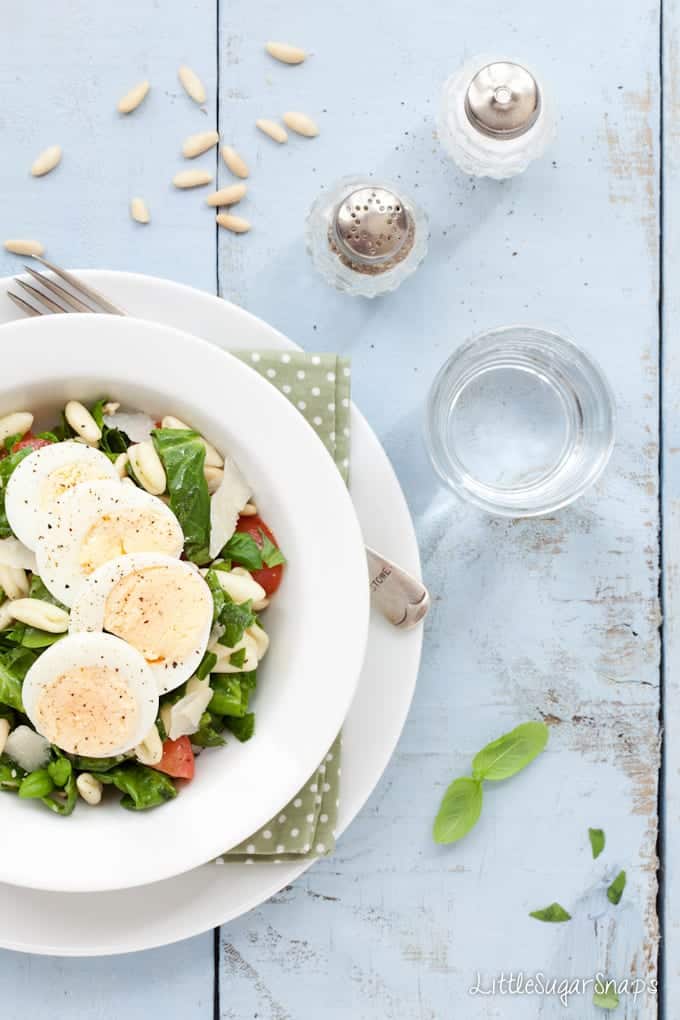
column 90, row 606
column 79, row 651
column 90, row 505
column 32, row 483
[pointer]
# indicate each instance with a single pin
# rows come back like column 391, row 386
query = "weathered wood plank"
column 555, row 618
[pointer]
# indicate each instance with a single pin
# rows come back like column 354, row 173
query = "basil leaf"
column 11, row 440
column 218, row 593
column 235, row 619
column 459, row 811
column 14, row 665
column 615, row 890
column 62, row 802
column 183, row 455
column 7, row 466
column 38, row 590
column 206, row 665
column 36, row 785
column 230, row 696
column 243, row 550
column 11, row 775
column 511, row 753
column 221, row 565
column 608, row 997
column 271, row 554
column 238, row 658
column 113, row 440
column 142, row 787
column 48, row 436
column 597, row 841
column 554, row 914
column 60, row 771
column 243, row 728
column 209, row 732
column 84, row 764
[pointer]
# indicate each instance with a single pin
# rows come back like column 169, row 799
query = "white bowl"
column 318, row 622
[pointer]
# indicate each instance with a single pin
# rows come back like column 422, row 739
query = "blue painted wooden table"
column 558, row 618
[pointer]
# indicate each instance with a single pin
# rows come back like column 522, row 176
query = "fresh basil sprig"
column 554, row 914
column 461, row 805
column 615, row 890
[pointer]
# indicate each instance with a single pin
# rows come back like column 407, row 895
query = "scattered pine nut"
column 234, row 162
column 139, row 211
column 192, row 84
column 274, row 130
column 286, row 53
column 301, row 124
column 19, row 247
column 249, row 510
column 132, row 99
column 46, row 161
column 227, row 196
column 192, row 178
column 196, row 145
column 236, row 224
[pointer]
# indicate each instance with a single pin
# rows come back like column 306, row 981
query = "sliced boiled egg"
column 96, row 522
column 159, row 605
column 91, row 694
column 45, row 475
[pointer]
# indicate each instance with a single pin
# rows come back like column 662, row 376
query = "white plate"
column 94, row 925
column 161, row 370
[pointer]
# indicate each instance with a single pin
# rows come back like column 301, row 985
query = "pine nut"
column 286, row 53
column 150, row 751
column 21, row 247
column 148, row 468
column 192, row 84
column 301, row 124
column 16, row 424
column 236, row 224
column 110, row 407
column 249, row 510
column 227, row 196
column 273, row 130
column 14, row 582
column 212, row 457
column 46, row 161
column 82, row 422
column 4, row 733
column 132, row 99
column 89, row 788
column 196, row 145
column 139, row 212
column 41, row 615
column 234, row 162
column 192, row 178
column 214, row 477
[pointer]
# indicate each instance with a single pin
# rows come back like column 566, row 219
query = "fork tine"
column 43, row 298
column 70, row 300
column 23, row 305
column 83, row 288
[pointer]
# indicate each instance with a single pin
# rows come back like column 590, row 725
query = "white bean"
column 14, row 582
column 150, row 751
column 240, row 585
column 120, row 464
column 82, row 422
column 261, row 639
column 89, row 788
column 214, row 477
column 148, row 468
column 16, row 424
column 111, row 407
column 6, row 618
column 41, row 615
column 4, row 733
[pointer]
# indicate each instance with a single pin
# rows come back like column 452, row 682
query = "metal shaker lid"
column 503, row 100
column 371, row 226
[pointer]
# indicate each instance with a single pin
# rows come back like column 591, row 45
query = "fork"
column 402, row 599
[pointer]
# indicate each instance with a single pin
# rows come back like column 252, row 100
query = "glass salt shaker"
column 366, row 237
column 495, row 118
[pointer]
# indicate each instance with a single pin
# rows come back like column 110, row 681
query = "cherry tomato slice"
column 268, row 577
column 29, row 440
column 178, row 759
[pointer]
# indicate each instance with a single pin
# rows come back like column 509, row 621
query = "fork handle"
column 402, row 599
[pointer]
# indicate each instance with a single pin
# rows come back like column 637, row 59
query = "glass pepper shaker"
column 365, row 237
column 495, row 118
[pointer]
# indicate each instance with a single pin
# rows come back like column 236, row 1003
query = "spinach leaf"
column 271, row 554
column 615, row 890
column 7, row 466
column 511, row 753
column 460, row 809
column 113, row 440
column 206, row 665
column 11, row 440
column 62, row 802
column 218, row 593
column 235, row 619
column 238, row 658
column 183, row 455
column 39, row 591
column 14, row 665
column 597, row 841
column 242, row 728
column 142, row 787
column 230, row 696
column 243, row 550
column 11, row 775
column 209, row 732
column 84, row 764
column 554, row 914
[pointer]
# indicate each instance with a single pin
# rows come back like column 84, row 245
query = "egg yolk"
column 160, row 611
column 128, row 530
column 87, row 710
column 64, row 478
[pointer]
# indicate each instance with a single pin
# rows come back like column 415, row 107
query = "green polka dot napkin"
column 318, row 385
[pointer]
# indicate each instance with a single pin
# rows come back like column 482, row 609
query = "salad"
column 134, row 567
